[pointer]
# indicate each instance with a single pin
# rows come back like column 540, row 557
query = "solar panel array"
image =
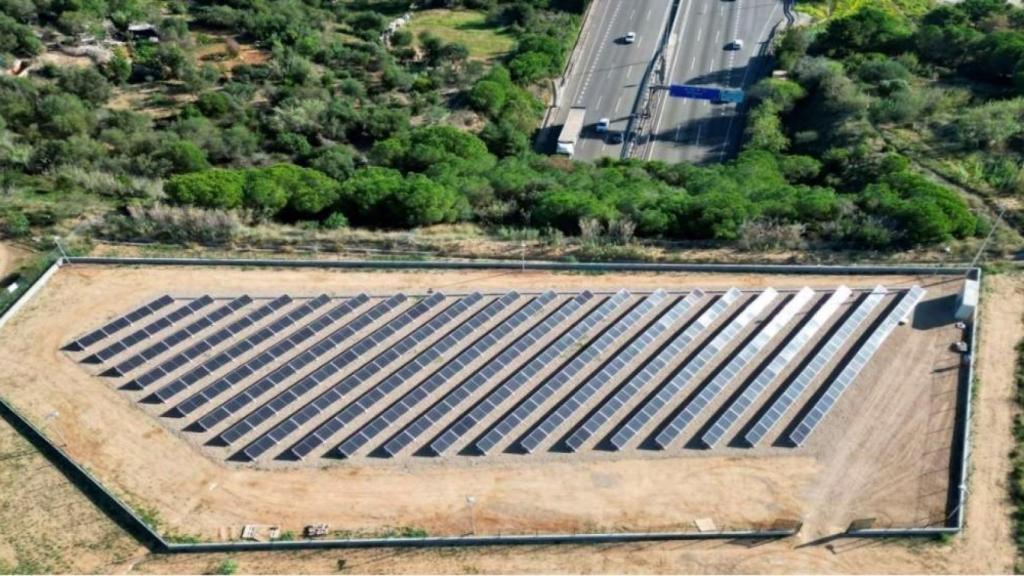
column 323, row 373
column 559, row 379
column 599, row 381
column 148, row 331
column 338, row 391
column 671, row 389
column 151, row 352
column 835, row 388
column 380, row 376
column 206, row 344
column 693, row 407
column 117, row 325
column 816, row 365
column 767, row 376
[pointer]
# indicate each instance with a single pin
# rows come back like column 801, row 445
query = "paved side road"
column 680, row 130
column 606, row 73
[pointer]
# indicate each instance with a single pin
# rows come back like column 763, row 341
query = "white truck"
column 571, row 131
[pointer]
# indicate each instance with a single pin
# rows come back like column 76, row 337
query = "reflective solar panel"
column 815, row 366
column 552, row 384
column 447, row 373
column 297, row 363
column 323, row 373
column 421, row 363
column 692, row 409
column 597, row 382
column 268, row 357
column 523, row 375
column 669, row 390
column 238, row 349
column 118, row 324
column 149, row 330
column 771, row 372
column 477, row 380
column 653, row 366
column 336, row 392
column 834, row 389
column 129, row 364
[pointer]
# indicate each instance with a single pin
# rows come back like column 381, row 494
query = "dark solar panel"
column 526, row 409
column 422, row 362
column 476, row 381
column 445, row 374
column 526, row 373
column 596, row 382
column 148, row 331
column 119, row 324
column 344, row 387
column 234, row 351
column 299, row 362
column 267, row 357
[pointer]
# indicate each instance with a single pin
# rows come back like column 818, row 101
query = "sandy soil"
column 11, row 257
column 985, row 547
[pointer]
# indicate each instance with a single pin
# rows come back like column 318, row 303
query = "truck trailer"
column 570, row 133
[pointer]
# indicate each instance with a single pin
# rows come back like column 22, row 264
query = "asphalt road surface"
column 605, row 73
column 683, row 130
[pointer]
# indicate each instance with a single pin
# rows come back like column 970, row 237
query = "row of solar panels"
column 470, row 345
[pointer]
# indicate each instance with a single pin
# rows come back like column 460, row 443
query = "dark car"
column 615, row 137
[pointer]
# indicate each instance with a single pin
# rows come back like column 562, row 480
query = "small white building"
column 967, row 300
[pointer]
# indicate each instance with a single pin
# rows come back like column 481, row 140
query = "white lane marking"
column 693, row 62
column 599, row 100
column 700, row 127
column 670, row 68
column 700, row 31
column 718, row 34
column 648, row 18
column 679, row 130
column 618, row 103
column 743, row 81
column 639, row 42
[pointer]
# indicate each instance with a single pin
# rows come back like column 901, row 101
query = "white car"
column 602, row 125
column 629, row 38
column 736, row 44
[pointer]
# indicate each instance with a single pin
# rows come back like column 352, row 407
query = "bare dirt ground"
column 11, row 257
column 985, row 549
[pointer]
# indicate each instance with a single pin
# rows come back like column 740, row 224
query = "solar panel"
column 238, row 349
column 522, row 376
column 815, row 366
column 447, row 373
column 477, row 380
column 651, row 369
column 769, row 373
column 325, row 400
column 196, row 350
column 297, row 363
column 272, row 354
column 149, row 330
column 559, row 379
column 835, row 388
column 596, row 382
column 129, row 364
column 421, row 363
column 649, row 409
column 118, row 324
column 691, row 409
column 279, row 402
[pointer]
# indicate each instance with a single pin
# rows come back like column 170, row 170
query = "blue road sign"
column 705, row 93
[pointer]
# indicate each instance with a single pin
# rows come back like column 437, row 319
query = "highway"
column 698, row 131
column 605, row 73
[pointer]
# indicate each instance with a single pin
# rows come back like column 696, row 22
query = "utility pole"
column 64, row 255
column 470, row 501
